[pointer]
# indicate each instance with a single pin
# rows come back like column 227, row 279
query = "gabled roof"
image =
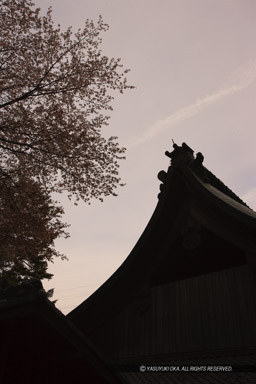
column 195, row 209
column 185, row 154
column 40, row 345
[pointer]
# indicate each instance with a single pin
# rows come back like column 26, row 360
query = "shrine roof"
column 199, row 180
column 30, row 322
column 232, row 201
column 189, row 191
column 184, row 155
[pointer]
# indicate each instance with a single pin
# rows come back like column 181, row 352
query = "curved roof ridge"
column 184, row 155
column 210, row 178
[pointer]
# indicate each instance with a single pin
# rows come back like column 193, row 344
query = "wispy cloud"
column 240, row 79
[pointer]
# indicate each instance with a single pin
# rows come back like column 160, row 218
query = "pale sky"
column 193, row 63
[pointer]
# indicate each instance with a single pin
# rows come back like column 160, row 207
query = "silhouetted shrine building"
column 184, row 296
column 187, row 291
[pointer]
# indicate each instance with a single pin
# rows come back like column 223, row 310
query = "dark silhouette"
column 186, row 293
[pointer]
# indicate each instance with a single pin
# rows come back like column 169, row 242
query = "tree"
column 30, row 222
column 56, row 90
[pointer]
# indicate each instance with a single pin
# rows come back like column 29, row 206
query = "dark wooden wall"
column 211, row 311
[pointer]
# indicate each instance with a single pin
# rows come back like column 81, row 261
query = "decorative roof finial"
column 179, row 155
column 174, row 144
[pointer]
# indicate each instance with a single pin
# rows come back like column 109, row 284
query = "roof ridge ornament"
column 180, row 155
column 184, row 155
